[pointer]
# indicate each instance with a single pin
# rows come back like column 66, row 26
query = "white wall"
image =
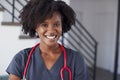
column 99, row 17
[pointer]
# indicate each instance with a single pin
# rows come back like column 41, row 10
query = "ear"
column 37, row 33
column 36, row 29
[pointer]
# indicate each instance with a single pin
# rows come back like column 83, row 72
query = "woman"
column 48, row 19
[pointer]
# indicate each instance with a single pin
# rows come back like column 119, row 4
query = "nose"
column 51, row 29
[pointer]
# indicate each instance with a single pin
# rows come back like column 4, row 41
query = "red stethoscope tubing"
column 65, row 67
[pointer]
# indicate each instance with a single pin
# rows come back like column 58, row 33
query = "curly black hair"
column 36, row 11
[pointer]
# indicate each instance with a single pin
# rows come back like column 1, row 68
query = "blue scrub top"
column 38, row 71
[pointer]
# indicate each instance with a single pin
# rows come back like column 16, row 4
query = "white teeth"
column 50, row 37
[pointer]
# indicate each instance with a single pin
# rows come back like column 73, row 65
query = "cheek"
column 60, row 30
column 40, row 31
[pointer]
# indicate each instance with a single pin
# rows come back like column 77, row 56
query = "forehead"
column 55, row 15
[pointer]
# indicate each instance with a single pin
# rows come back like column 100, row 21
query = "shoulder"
column 73, row 53
column 23, row 53
column 21, row 56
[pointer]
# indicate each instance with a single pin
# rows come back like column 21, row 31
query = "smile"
column 51, row 37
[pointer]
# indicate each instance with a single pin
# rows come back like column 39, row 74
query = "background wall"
column 100, row 18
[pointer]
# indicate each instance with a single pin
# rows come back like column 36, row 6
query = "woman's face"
column 50, row 30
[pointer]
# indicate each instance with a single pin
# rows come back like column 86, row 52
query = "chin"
column 52, row 44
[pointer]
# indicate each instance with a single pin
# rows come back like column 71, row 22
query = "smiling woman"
column 48, row 60
column 50, row 30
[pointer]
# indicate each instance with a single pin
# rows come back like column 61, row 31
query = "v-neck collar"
column 54, row 72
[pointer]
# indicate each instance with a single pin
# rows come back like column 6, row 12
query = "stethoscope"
column 65, row 67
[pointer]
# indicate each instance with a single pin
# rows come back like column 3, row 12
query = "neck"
column 50, row 49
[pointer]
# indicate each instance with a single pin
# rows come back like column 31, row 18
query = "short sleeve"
column 81, row 72
column 17, row 64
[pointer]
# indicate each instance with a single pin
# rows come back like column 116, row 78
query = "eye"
column 57, row 24
column 44, row 25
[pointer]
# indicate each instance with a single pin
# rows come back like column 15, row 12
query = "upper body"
column 47, row 19
column 38, row 71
